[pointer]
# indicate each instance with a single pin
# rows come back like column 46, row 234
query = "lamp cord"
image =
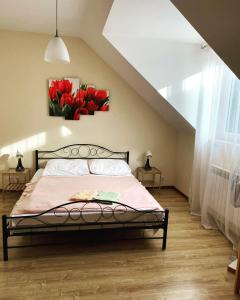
column 56, row 18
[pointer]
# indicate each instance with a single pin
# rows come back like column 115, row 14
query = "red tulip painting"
column 69, row 99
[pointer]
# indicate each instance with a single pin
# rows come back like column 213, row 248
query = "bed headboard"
column 79, row 151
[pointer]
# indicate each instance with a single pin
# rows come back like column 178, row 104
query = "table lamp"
column 19, row 167
column 147, row 164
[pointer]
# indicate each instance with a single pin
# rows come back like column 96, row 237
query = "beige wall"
column 184, row 160
column 131, row 124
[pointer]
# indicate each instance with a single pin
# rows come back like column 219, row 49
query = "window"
column 233, row 117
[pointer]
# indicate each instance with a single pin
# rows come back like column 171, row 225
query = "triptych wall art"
column 70, row 99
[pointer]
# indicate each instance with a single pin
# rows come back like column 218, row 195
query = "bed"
column 44, row 207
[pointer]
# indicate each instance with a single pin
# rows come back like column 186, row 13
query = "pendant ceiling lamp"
column 56, row 50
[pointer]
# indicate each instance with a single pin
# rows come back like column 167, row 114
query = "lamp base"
column 20, row 167
column 147, row 166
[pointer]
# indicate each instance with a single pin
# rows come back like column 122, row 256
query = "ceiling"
column 153, row 19
column 39, row 16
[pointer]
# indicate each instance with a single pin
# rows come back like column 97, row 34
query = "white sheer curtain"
column 216, row 177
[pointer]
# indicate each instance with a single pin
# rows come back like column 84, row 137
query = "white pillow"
column 66, row 167
column 111, row 167
column 4, row 162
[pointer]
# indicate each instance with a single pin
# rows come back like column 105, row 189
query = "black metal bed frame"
column 74, row 219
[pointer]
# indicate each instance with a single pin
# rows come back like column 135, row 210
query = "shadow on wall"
column 43, row 140
column 27, row 146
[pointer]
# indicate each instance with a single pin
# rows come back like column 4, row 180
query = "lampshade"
column 148, row 153
column 56, row 51
column 19, row 154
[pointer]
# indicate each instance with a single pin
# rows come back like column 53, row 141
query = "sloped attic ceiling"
column 218, row 22
column 163, row 47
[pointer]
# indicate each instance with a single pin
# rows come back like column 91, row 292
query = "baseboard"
column 174, row 188
column 167, row 187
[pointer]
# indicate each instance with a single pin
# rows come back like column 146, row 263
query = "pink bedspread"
column 51, row 191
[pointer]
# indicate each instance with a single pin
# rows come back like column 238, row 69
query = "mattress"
column 47, row 192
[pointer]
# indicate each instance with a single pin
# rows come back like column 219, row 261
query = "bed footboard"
column 64, row 218
column 165, row 230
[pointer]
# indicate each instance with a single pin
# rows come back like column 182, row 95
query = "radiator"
column 219, row 179
column 224, row 214
column 224, row 173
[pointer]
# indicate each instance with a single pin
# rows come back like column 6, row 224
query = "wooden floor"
column 193, row 266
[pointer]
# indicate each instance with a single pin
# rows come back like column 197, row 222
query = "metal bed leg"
column 164, row 243
column 5, row 237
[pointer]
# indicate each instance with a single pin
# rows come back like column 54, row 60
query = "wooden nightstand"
column 150, row 178
column 13, row 181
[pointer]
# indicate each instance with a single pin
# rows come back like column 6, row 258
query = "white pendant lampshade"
column 56, row 50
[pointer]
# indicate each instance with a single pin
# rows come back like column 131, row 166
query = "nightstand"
column 13, row 181
column 150, row 178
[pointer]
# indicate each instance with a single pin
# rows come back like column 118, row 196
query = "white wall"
column 184, row 161
column 163, row 47
column 172, row 68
